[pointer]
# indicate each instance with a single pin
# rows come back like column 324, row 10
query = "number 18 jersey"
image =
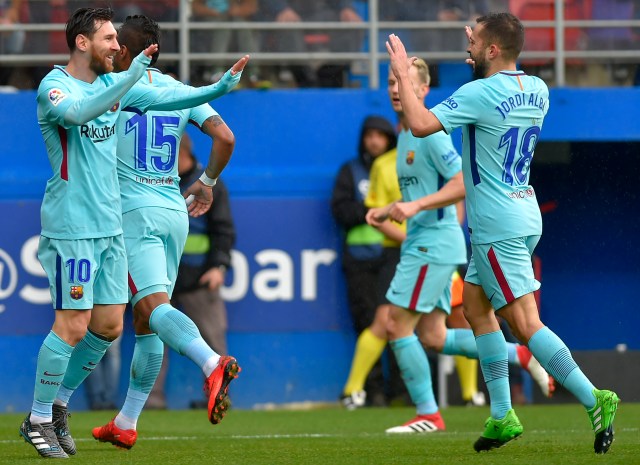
column 148, row 150
column 501, row 118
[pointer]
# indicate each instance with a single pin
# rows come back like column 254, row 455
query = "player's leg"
column 68, row 265
column 467, row 368
column 415, row 371
column 521, row 312
column 173, row 327
column 208, row 312
column 503, row 425
column 369, row 347
column 419, row 288
column 109, row 297
column 372, row 340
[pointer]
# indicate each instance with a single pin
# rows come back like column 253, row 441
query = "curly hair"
column 137, row 32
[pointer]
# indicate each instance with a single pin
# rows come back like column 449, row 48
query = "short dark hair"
column 137, row 33
column 505, row 30
column 83, row 21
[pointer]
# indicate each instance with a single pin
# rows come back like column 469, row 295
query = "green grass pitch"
column 557, row 434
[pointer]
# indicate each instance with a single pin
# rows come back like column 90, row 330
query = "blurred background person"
column 301, row 41
column 11, row 42
column 363, row 260
column 203, row 266
column 220, row 40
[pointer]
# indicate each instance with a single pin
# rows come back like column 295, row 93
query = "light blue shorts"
column 84, row 272
column 421, row 286
column 503, row 269
column 154, row 239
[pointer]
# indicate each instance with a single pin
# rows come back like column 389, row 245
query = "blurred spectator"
column 101, row 387
column 11, row 42
column 300, row 41
column 366, row 264
column 48, row 42
column 619, row 38
column 443, row 40
column 204, row 263
column 220, row 40
column 165, row 11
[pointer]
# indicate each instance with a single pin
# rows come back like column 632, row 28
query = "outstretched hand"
column 150, row 50
column 240, row 64
column 399, row 61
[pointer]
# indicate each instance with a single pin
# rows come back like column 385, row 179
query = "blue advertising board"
column 288, row 323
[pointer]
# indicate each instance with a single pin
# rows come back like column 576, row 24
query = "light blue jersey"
column 501, row 118
column 148, row 150
column 424, row 165
column 82, row 199
column 78, row 120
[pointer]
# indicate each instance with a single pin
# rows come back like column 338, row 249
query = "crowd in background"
column 324, row 73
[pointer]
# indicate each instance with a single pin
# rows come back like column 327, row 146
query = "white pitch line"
column 313, row 435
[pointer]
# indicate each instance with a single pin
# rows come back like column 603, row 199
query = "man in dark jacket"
column 363, row 258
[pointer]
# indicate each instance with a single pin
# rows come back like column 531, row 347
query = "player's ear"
column 82, row 42
column 124, row 51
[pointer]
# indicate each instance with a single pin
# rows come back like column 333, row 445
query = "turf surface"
column 557, row 434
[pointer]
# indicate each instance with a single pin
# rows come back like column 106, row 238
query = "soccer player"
column 430, row 179
column 501, row 113
column 155, row 225
column 81, row 246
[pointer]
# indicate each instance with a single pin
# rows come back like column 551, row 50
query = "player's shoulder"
column 55, row 86
column 58, row 76
column 156, row 77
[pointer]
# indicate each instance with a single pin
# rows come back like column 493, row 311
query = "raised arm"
column 421, row 121
column 181, row 97
column 85, row 110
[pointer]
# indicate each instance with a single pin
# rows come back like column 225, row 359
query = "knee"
column 433, row 339
column 393, row 327
column 74, row 334
column 109, row 330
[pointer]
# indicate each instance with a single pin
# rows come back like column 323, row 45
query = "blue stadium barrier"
column 289, row 325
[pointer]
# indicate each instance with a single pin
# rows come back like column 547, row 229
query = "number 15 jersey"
column 501, row 118
column 148, row 147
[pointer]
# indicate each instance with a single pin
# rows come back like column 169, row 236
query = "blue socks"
column 180, row 333
column 53, row 360
column 492, row 349
column 415, row 371
column 460, row 342
column 463, row 342
column 84, row 358
column 145, row 366
column 556, row 358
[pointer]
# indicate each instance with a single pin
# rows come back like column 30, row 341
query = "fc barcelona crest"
column 410, row 156
column 77, row 292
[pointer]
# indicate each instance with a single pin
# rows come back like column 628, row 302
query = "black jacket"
column 347, row 208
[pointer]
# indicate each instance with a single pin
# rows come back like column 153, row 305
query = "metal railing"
column 372, row 28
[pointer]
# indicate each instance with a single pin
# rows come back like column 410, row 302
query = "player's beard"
column 480, row 68
column 100, row 64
